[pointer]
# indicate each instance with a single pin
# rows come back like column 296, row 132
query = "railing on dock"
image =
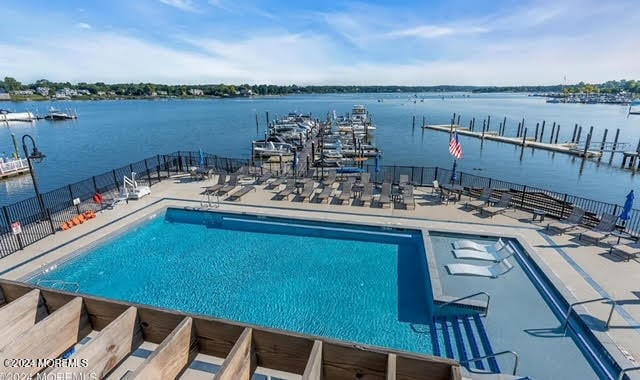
column 59, row 204
column 14, row 166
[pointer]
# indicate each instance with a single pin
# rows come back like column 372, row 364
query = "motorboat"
column 55, row 114
column 269, row 148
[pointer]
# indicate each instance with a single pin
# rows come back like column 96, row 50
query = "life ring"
column 97, row 197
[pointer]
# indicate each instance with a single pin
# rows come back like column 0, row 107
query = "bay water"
column 112, row 133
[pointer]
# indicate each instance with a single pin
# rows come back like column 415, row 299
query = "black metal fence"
column 65, row 203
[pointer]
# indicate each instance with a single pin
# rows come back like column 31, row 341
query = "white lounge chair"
column 468, row 244
column 494, row 271
column 480, row 255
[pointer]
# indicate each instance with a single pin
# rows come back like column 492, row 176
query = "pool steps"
column 463, row 337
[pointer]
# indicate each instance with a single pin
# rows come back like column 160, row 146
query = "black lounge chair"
column 233, row 182
column 385, row 195
column 307, row 190
column 367, row 194
column 288, row 190
column 571, row 222
column 238, row 194
column 485, row 197
column 222, row 179
column 503, row 203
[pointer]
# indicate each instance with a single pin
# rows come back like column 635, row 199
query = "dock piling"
column 553, row 131
column 257, row 125
column 524, row 138
column 575, row 129
column 413, row 123
column 518, row 131
column 536, row 135
column 578, row 136
column 541, row 132
column 424, row 121
column 453, row 119
column 458, row 120
column 586, row 146
column 555, row 141
column 267, row 116
column 488, row 122
column 504, row 125
column 615, row 145
column 484, row 125
column 603, row 143
column 473, row 122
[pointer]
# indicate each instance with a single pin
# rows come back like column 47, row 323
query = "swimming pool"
column 332, row 280
column 364, row 284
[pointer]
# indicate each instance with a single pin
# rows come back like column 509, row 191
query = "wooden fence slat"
column 172, row 357
column 18, row 316
column 48, row 338
column 313, row 370
column 107, row 349
column 391, row 367
column 241, row 361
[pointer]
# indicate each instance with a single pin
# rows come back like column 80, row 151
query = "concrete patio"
column 586, row 271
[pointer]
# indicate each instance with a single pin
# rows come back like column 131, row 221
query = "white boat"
column 332, row 154
column 55, row 114
column 16, row 116
column 269, row 148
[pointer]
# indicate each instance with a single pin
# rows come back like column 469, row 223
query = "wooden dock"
column 524, row 141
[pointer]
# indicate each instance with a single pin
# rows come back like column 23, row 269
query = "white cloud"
column 435, row 31
column 185, row 5
column 83, row 25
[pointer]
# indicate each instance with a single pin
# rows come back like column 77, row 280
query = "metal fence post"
column 95, row 185
column 158, row 168
column 148, row 172
column 524, row 191
column 435, row 176
column 115, row 179
column 564, row 203
column 489, row 182
column 53, row 229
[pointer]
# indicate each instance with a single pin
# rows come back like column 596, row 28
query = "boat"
column 269, row 148
column 55, row 114
column 636, row 111
column 6, row 115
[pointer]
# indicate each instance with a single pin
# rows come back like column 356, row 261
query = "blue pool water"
column 360, row 284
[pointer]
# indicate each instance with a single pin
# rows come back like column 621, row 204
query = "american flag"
column 454, row 146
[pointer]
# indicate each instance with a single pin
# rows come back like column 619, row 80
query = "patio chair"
column 407, row 198
column 503, row 203
column 602, row 230
column 325, row 194
column 628, row 250
column 385, row 195
column 367, row 194
column 494, row 271
column 264, row 178
column 364, row 178
column 230, row 185
column 570, row 222
column 330, row 179
column 307, row 190
column 222, row 179
column 346, row 188
column 288, row 189
column 404, row 180
column 482, row 200
column 238, row 194
column 436, row 187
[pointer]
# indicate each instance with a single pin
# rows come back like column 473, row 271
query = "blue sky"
column 496, row 42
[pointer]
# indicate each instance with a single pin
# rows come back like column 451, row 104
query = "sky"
column 377, row 42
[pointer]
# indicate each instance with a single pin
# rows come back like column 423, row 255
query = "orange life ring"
column 97, row 197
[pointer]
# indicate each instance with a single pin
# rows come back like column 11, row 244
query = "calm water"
column 111, row 134
column 364, row 286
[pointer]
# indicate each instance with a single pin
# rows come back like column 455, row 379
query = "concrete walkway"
column 585, row 271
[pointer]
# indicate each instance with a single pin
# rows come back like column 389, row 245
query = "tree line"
column 10, row 84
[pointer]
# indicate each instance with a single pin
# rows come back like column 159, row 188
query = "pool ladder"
column 60, row 284
column 566, row 319
column 208, row 203
column 516, row 359
column 486, row 308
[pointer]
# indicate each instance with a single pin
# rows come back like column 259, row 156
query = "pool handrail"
column 566, row 319
column 515, row 356
column 486, row 309
column 621, row 376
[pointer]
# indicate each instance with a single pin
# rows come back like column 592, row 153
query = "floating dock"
column 566, row 148
column 13, row 168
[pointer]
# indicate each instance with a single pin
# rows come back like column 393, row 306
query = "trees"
column 11, row 84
